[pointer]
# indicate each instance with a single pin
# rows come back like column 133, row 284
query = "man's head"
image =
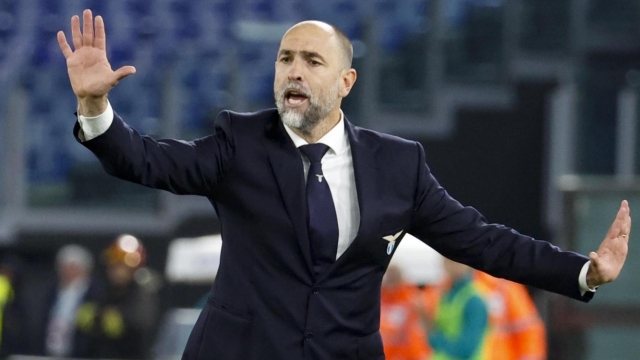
column 455, row 270
column 123, row 258
column 73, row 262
column 313, row 74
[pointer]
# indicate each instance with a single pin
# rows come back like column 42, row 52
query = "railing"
column 418, row 62
column 609, row 323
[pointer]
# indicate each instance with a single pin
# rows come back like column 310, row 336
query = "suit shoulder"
column 385, row 141
column 240, row 124
column 390, row 149
column 251, row 118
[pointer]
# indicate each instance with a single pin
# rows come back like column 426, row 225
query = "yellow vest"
column 6, row 295
column 449, row 319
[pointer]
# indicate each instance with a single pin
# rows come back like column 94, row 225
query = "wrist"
column 92, row 106
column 591, row 280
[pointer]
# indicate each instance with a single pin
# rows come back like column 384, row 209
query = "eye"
column 314, row 63
column 285, row 59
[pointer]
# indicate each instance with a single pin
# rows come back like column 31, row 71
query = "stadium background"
column 506, row 96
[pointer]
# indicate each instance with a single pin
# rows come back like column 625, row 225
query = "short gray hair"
column 75, row 254
column 345, row 45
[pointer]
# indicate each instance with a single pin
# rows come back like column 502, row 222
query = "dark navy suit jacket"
column 265, row 302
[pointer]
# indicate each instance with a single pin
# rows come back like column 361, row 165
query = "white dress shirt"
column 61, row 327
column 337, row 167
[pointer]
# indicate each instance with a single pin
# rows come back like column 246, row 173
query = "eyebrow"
column 306, row 54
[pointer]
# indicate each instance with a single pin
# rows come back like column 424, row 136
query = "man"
column 461, row 322
column 121, row 324
column 400, row 328
column 14, row 334
column 300, row 270
column 516, row 330
column 59, row 334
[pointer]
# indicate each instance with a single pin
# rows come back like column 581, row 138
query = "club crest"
column 392, row 241
column 390, row 247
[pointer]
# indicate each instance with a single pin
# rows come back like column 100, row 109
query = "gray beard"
column 317, row 110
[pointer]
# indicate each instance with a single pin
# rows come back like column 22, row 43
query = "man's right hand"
column 89, row 70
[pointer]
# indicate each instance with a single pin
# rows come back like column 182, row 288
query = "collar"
column 336, row 139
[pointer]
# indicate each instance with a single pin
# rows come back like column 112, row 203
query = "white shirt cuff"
column 95, row 126
column 582, row 280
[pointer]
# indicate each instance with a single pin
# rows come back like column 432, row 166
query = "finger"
column 619, row 222
column 64, row 46
column 626, row 222
column 100, row 40
column 76, row 35
column 626, row 228
column 594, row 258
column 624, row 209
column 124, row 71
column 87, row 29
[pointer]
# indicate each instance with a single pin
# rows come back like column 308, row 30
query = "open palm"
column 607, row 262
column 89, row 70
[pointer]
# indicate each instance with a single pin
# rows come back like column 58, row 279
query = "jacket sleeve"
column 181, row 167
column 463, row 235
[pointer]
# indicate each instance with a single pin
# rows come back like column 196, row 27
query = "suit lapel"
column 289, row 172
column 365, row 169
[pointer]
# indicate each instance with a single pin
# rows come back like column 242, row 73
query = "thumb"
column 594, row 257
column 124, row 71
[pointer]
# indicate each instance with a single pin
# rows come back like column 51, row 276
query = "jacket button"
column 308, row 336
column 315, row 290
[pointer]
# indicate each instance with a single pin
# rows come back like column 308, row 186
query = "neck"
column 322, row 128
column 66, row 283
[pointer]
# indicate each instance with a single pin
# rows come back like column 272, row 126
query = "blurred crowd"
column 87, row 313
column 113, row 313
column 466, row 315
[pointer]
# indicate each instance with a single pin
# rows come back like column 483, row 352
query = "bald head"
column 313, row 74
column 333, row 33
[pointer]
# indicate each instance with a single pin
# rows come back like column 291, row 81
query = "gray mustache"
column 297, row 87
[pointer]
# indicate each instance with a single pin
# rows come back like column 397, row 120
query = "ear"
column 347, row 80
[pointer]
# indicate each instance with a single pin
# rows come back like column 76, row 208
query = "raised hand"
column 89, row 70
column 607, row 262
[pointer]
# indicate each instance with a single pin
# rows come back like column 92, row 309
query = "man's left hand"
column 607, row 262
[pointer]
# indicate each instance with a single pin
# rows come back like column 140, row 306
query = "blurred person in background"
column 75, row 286
column 301, row 268
column 516, row 331
column 461, row 322
column 121, row 324
column 13, row 331
column 402, row 335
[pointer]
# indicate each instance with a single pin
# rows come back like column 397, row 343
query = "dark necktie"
column 323, row 222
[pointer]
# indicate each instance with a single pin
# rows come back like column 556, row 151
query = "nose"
column 295, row 71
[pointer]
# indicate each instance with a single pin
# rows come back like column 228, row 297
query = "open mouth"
column 295, row 98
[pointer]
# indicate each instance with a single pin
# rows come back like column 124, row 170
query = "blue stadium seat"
column 257, row 10
column 203, row 85
column 4, row 50
column 8, row 25
column 345, row 14
column 9, row 6
column 50, row 114
column 256, row 72
column 49, row 6
column 139, row 8
column 292, row 11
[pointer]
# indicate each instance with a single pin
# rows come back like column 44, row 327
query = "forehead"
column 312, row 38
